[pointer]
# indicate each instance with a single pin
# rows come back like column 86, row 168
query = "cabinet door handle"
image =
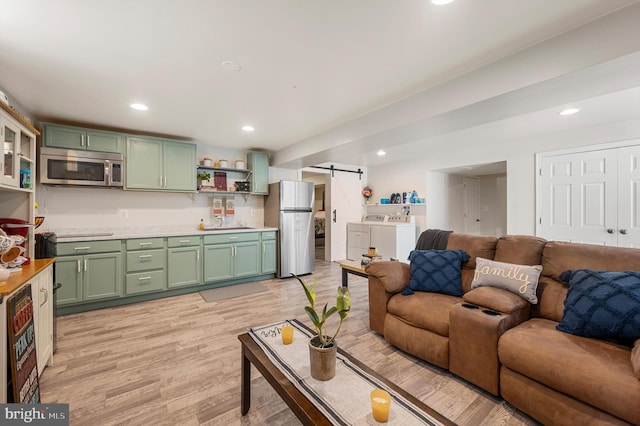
column 46, row 296
column 610, row 231
column 145, row 256
column 335, row 216
column 264, row 248
column 623, row 231
column 85, row 265
column 184, row 241
column 160, row 181
column 78, row 264
column 144, row 278
column 233, row 238
column 198, row 254
column 145, row 244
column 165, row 181
column 82, row 248
column 88, row 141
column 81, row 140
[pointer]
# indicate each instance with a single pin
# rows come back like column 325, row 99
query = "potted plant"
column 323, row 347
column 203, row 177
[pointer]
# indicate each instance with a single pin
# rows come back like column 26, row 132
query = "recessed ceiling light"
column 230, row 66
column 248, row 128
column 441, row 2
column 381, row 153
column 139, row 107
column 569, row 111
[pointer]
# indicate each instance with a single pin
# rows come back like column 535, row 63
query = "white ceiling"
column 307, row 66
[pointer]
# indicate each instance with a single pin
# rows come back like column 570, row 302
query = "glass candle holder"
column 380, row 404
column 287, row 334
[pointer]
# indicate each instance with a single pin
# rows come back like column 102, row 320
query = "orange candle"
column 287, row 334
column 380, row 403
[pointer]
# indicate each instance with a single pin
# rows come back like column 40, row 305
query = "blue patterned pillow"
column 436, row 271
column 602, row 304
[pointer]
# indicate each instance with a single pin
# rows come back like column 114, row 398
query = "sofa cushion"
column 436, row 271
column 520, row 249
column 497, row 299
column 593, row 371
column 429, row 311
column 474, row 246
column 518, row 279
column 635, row 358
column 602, row 304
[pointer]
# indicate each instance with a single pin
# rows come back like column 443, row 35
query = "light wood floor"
column 176, row 361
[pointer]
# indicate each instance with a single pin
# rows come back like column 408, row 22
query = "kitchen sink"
column 225, row 228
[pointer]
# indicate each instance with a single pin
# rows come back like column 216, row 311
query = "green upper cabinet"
column 258, row 163
column 179, row 171
column 57, row 136
column 160, row 165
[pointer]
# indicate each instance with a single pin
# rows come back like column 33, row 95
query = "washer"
column 359, row 237
column 395, row 237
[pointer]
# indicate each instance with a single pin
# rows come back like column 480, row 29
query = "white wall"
column 465, row 148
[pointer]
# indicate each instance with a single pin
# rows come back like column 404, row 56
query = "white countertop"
column 97, row 234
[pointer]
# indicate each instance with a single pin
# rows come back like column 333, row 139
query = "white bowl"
column 5, row 244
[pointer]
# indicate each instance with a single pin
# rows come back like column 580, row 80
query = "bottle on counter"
column 201, row 226
column 414, row 197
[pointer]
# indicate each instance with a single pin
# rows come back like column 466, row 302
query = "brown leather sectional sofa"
column 498, row 341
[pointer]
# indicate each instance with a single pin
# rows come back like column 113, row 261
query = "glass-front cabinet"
column 17, row 162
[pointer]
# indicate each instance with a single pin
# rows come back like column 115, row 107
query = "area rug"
column 344, row 400
column 228, row 292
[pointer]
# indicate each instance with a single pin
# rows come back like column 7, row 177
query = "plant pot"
column 322, row 361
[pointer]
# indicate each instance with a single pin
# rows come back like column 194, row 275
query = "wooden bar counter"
column 38, row 273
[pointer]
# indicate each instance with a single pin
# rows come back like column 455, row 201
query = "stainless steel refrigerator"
column 289, row 207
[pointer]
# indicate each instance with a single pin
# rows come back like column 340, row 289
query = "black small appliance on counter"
column 46, row 247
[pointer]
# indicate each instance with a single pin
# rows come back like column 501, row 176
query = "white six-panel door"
column 629, row 197
column 591, row 197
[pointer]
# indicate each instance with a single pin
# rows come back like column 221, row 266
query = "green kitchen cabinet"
column 246, row 259
column 258, row 163
column 146, row 261
column 228, row 256
column 78, row 138
column 268, row 264
column 102, row 276
column 218, row 262
column 159, row 165
column 69, row 274
column 184, row 262
column 88, row 277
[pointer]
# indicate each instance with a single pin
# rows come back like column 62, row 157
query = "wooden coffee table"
column 351, row 267
column 302, row 407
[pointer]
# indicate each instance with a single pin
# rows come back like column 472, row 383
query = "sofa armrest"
column 635, row 358
column 393, row 276
column 497, row 299
column 385, row 279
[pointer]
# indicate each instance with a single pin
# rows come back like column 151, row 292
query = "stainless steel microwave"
column 86, row 168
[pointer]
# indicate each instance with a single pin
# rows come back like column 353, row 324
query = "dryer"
column 395, row 237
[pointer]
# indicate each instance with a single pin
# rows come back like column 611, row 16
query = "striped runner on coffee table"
column 344, row 400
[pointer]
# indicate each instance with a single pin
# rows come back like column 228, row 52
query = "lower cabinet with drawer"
column 104, row 273
column 145, row 265
column 184, row 262
column 228, row 256
column 89, row 271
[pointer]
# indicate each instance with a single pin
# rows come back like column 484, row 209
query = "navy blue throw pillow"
column 602, row 304
column 436, row 271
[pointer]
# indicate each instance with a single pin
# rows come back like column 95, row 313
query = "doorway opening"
column 319, row 181
column 470, row 199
